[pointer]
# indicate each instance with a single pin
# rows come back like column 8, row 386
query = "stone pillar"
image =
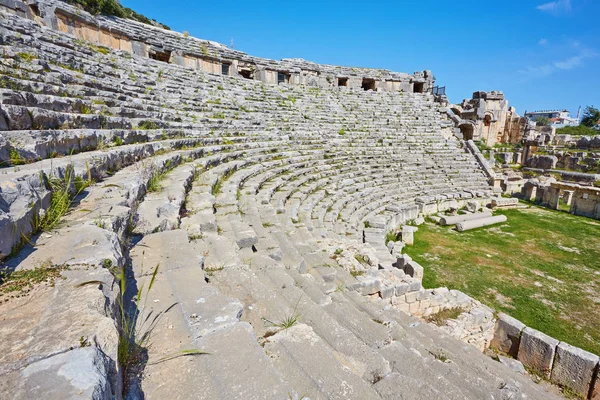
column 518, row 157
column 553, row 196
column 568, row 197
column 408, row 234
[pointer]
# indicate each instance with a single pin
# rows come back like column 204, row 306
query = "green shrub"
column 146, row 125
column 579, row 130
column 114, row 8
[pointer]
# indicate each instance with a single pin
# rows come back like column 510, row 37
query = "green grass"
column 147, row 125
column 157, row 176
column 62, row 197
column 441, row 317
column 541, row 267
column 15, row 157
column 27, row 56
column 23, row 281
column 287, row 321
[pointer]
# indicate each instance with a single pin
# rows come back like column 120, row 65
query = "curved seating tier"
column 242, row 193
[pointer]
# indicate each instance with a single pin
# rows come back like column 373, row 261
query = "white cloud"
column 569, row 63
column 558, row 7
column 543, row 42
column 566, row 64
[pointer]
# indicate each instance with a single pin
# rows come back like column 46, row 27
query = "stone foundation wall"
column 558, row 361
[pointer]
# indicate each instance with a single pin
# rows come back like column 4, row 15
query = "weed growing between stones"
column 441, row 317
column 156, row 177
column 289, row 320
column 62, row 197
column 15, row 157
column 136, row 328
column 440, row 356
column 391, row 237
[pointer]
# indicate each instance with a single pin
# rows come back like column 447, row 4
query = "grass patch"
column 441, row 317
column 210, row 271
column 156, row 177
column 356, row 273
column 62, row 197
column 24, row 280
column 147, row 125
column 15, row 157
column 28, row 57
column 541, row 267
column 391, row 237
column 364, row 260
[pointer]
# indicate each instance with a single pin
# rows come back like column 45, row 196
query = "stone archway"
column 467, row 131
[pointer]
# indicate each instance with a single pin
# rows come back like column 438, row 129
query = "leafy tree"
column 591, row 116
column 113, row 8
column 542, row 121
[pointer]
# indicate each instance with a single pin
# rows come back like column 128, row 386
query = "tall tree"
column 591, row 116
column 542, row 121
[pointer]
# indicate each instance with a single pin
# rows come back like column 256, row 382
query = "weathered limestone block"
column 574, row 367
column 4, row 147
column 507, row 336
column 479, row 223
column 401, row 288
column 413, row 269
column 473, row 206
column 82, row 244
column 397, row 249
column 294, row 350
column 513, row 364
column 537, row 350
column 504, row 202
column 542, row 161
column 48, row 355
column 80, row 373
column 245, row 236
column 408, row 234
column 18, row 118
column 452, row 220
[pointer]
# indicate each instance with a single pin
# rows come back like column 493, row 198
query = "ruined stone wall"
column 560, row 362
column 147, row 41
column 583, row 200
column 586, row 202
column 492, row 120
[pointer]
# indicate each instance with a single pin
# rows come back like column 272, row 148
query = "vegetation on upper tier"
column 541, row 267
column 114, row 8
column 579, row 130
column 590, row 118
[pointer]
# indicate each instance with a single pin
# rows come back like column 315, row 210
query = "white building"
column 558, row 118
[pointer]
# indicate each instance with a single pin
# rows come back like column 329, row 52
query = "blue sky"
column 542, row 54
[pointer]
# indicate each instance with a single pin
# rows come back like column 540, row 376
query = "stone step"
column 203, row 319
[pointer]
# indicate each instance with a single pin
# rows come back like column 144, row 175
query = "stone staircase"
column 252, row 199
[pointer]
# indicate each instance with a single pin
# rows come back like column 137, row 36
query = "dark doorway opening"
column 164, row 56
column 467, row 131
column 418, row 87
column 224, row 69
column 282, row 77
column 246, row 73
column 35, row 9
column 368, row 84
column 342, row 81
